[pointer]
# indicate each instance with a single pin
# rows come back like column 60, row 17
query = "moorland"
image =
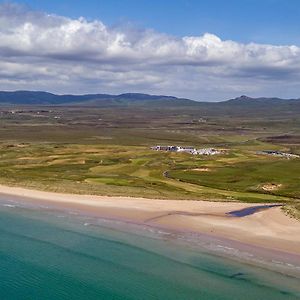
column 102, row 146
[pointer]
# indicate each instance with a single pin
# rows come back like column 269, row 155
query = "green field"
column 90, row 151
column 138, row 171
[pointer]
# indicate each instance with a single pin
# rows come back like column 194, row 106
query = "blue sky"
column 204, row 50
column 261, row 21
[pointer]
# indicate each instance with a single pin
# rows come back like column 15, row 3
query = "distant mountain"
column 245, row 100
column 44, row 98
column 242, row 106
column 247, row 106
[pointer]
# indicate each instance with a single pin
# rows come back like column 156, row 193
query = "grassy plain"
column 106, row 151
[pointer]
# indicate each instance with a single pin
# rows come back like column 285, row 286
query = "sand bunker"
column 202, row 169
column 269, row 187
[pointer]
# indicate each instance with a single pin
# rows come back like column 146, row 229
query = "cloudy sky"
column 204, row 51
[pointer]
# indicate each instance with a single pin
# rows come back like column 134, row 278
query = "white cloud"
column 42, row 51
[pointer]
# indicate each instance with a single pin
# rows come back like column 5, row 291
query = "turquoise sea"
column 49, row 254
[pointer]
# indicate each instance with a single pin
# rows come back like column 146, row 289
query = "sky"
column 204, row 50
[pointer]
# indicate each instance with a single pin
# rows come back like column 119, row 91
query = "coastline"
column 268, row 233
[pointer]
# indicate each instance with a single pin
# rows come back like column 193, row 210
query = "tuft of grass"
column 292, row 210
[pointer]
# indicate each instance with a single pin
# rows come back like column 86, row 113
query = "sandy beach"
column 269, row 228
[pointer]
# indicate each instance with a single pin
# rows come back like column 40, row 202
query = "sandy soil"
column 270, row 228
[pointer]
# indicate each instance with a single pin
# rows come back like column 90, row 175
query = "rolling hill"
column 45, row 98
column 243, row 105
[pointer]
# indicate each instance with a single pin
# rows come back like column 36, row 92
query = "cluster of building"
column 190, row 150
column 278, row 153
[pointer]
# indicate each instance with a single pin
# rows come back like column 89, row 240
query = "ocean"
column 49, row 254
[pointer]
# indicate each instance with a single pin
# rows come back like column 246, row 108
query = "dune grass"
column 139, row 171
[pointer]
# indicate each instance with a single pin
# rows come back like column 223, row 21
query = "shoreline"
column 267, row 233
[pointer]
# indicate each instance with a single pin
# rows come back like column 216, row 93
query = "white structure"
column 190, row 150
column 208, row 151
column 278, row 153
